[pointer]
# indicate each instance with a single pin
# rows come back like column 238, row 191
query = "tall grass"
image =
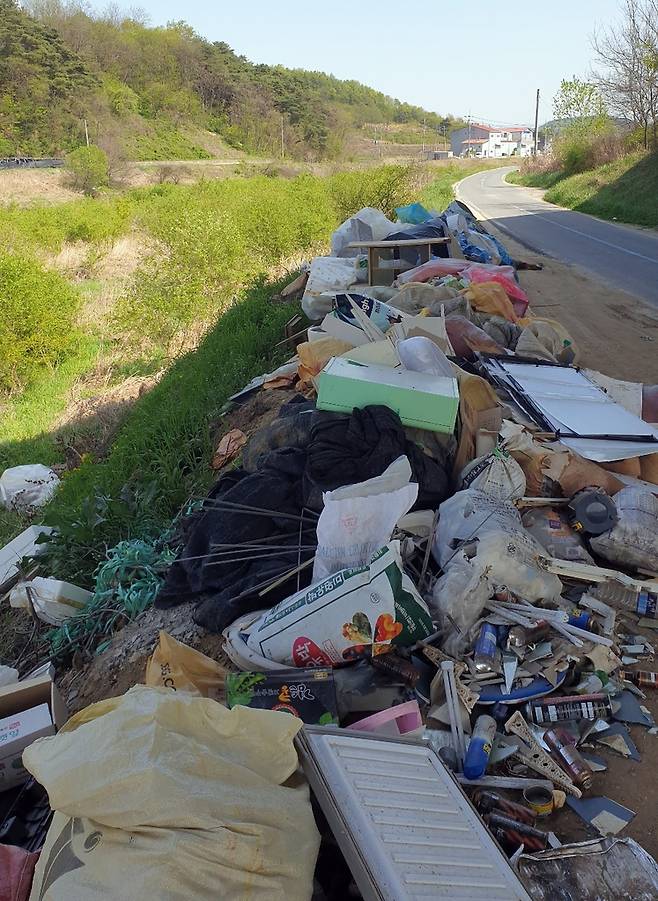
column 625, row 190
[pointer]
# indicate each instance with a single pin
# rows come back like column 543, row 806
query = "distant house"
column 488, row 141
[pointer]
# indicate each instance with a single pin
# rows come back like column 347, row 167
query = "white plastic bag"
column 420, row 354
column 52, row 601
column 368, row 224
column 328, row 276
column 368, row 608
column 458, row 599
column 359, row 519
column 25, row 487
column 498, row 474
column 633, row 540
column 166, row 796
column 475, row 524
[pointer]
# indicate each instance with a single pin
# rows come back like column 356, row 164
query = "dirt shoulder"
column 616, row 333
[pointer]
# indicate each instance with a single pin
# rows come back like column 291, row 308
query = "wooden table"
column 393, row 265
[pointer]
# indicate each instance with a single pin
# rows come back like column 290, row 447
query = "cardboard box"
column 16, row 733
column 421, row 401
column 17, row 701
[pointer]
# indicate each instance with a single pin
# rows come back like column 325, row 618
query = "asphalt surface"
column 619, row 255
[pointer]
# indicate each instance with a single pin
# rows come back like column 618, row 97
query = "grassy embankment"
column 625, row 190
column 215, row 244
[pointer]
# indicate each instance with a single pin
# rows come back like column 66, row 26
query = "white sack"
column 368, row 224
column 24, row 487
column 359, row 519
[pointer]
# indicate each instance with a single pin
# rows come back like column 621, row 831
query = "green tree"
column 88, row 168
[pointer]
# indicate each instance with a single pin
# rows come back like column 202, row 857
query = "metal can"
column 563, row 748
column 572, row 707
column 641, row 678
column 486, row 653
column 520, row 636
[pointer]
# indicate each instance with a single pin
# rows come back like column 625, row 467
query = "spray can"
column 486, row 654
column 583, row 620
column 573, row 707
column 646, row 604
column 563, row 748
column 511, row 834
column 479, row 747
column 641, row 678
column 490, row 802
column 520, row 636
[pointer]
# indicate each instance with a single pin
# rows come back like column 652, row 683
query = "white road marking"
column 567, row 228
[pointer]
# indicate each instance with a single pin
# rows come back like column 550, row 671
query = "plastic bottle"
column 479, row 748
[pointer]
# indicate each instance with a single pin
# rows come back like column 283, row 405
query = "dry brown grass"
column 24, row 186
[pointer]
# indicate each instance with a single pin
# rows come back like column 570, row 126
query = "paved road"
column 622, row 256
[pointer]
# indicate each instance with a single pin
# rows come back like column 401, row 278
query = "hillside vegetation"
column 194, row 317
column 144, row 90
column 625, row 189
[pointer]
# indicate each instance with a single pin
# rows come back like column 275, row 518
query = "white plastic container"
column 53, row 601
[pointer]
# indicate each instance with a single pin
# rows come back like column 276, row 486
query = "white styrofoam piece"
column 21, row 546
column 414, row 828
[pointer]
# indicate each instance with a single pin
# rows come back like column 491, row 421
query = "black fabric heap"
column 344, row 450
column 341, row 450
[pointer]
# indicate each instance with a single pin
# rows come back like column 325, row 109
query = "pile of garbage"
column 434, row 573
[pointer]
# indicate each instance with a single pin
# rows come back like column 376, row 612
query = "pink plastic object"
column 395, row 721
column 433, row 269
column 504, row 275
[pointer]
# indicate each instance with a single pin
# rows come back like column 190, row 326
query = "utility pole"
column 283, row 146
column 423, row 136
column 86, row 133
column 536, row 123
column 469, row 134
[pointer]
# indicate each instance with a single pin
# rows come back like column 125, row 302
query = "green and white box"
column 420, row 400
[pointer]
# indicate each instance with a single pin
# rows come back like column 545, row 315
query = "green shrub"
column 221, row 235
column 88, row 168
column 36, row 320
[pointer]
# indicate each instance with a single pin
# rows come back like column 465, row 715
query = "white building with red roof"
column 492, row 141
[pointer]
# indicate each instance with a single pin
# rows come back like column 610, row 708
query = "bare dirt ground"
column 615, row 332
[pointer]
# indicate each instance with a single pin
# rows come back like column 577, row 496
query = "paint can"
column 539, row 799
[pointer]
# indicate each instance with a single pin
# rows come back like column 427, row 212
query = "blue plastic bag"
column 413, row 214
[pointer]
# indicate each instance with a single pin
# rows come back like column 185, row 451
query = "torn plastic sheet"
column 606, row 869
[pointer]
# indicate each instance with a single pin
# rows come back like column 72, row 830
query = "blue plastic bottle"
column 479, row 748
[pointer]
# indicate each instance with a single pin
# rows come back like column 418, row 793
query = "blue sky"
column 484, row 57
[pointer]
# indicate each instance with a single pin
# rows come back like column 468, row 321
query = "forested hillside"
column 147, row 92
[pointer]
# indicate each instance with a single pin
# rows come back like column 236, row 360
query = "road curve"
column 620, row 255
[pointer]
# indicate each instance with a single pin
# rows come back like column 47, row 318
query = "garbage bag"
column 490, row 297
column 359, row 519
column 503, row 275
column 457, row 602
column 552, row 530
column 488, row 530
column 467, row 339
column 368, row 224
column 350, row 614
column 413, row 213
column 328, row 276
column 420, row 354
column 160, row 794
column 633, row 540
column 497, row 473
column 179, row 667
column 25, row 487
